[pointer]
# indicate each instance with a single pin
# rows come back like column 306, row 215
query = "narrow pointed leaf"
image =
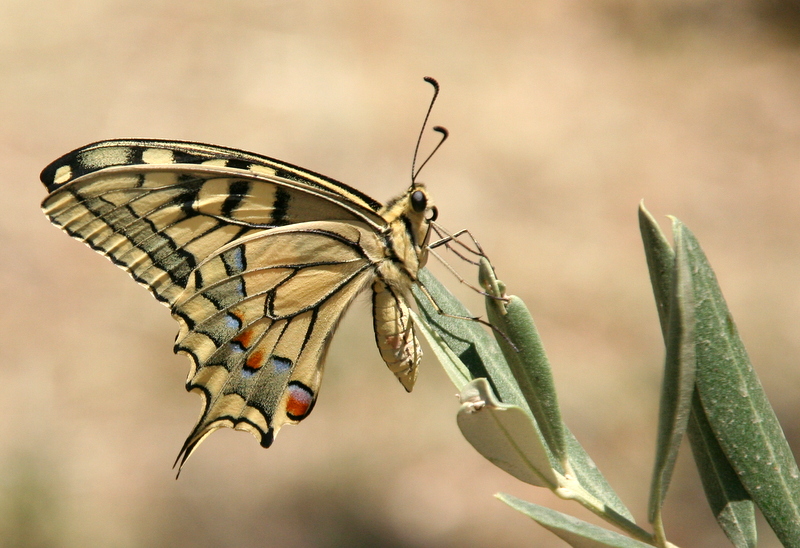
column 726, row 496
column 505, row 435
column 660, row 264
column 679, row 375
column 730, row 502
column 483, row 358
column 575, row 532
column 467, row 339
column 737, row 408
column 456, row 369
column 591, row 479
column 526, row 358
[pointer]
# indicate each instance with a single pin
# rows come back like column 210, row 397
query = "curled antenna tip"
column 445, row 134
column 414, row 170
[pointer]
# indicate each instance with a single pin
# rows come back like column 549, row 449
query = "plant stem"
column 570, row 489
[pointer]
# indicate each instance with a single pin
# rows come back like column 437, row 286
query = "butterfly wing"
column 258, row 260
column 130, row 152
column 256, row 318
column 179, row 217
column 159, row 208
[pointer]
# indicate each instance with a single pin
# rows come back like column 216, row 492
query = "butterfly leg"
column 454, row 244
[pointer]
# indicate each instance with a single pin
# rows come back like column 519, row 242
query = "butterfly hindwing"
column 256, row 319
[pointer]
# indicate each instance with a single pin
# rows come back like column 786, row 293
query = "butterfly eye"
column 419, row 201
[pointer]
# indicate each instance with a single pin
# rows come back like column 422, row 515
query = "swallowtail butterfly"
column 256, row 258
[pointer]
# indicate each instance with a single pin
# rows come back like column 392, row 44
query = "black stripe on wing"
column 104, row 154
column 257, row 369
column 152, row 232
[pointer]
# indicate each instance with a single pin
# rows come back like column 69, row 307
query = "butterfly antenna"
column 443, row 131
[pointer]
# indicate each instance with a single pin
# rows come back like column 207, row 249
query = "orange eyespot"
column 299, row 402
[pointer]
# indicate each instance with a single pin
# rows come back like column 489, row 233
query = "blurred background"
column 563, row 116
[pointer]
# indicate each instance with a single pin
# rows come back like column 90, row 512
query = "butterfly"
column 257, row 259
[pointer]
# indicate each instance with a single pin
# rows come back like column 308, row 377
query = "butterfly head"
column 409, row 217
column 420, row 203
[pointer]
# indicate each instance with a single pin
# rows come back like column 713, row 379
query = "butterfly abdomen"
column 394, row 333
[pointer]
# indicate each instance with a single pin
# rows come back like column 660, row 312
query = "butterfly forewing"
column 157, row 220
column 128, row 152
column 258, row 260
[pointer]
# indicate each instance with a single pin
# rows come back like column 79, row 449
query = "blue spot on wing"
column 280, row 364
column 233, row 322
column 234, row 261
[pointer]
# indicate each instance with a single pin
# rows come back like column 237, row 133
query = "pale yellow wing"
column 256, row 319
column 257, row 258
column 159, row 208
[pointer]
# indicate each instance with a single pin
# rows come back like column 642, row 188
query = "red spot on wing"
column 255, row 360
column 299, row 401
column 245, row 338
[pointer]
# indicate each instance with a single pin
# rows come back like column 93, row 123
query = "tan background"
column 563, row 116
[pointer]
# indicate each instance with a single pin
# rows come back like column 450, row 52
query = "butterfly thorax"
column 406, row 234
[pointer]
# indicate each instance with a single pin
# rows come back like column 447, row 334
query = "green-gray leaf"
column 526, row 358
column 737, row 408
column 456, row 369
column 470, row 343
column 726, row 496
column 730, row 502
column 660, row 264
column 505, row 435
column 467, row 339
column 679, row 375
column 577, row 533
